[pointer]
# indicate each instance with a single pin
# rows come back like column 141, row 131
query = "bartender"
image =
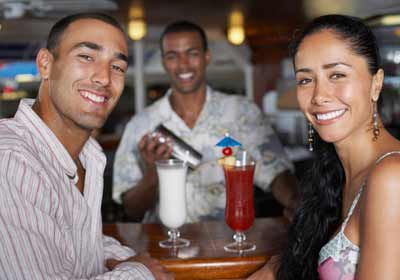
column 200, row 116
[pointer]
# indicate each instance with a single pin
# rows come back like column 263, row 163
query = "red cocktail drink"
column 239, row 211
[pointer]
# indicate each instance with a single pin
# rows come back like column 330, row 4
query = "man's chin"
column 92, row 125
column 187, row 90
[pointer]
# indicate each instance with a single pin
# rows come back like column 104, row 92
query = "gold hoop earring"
column 375, row 122
column 310, row 137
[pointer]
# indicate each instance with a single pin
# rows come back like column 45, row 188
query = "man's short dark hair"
column 184, row 26
column 61, row 25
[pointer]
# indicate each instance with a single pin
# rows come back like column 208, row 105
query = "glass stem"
column 239, row 238
column 173, row 235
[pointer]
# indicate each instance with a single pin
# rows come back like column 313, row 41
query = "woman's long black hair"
column 319, row 215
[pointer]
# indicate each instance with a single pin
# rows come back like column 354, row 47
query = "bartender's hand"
column 151, row 150
column 159, row 272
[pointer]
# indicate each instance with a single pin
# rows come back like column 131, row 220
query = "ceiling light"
column 386, row 20
column 236, row 35
column 136, row 29
column 390, row 20
column 137, row 24
column 236, row 32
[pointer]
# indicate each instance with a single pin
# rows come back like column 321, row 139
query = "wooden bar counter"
column 205, row 258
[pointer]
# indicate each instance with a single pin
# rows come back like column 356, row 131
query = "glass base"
column 177, row 243
column 242, row 247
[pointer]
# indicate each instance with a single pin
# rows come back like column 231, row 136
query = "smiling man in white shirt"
column 51, row 170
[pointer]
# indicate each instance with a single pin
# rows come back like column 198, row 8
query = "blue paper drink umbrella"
column 228, row 141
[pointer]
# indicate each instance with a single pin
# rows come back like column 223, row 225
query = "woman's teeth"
column 330, row 115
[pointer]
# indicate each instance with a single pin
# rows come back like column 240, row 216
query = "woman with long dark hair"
column 349, row 220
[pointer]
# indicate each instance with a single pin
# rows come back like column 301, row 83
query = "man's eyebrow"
column 89, row 45
column 122, row 57
column 98, row 47
column 185, row 50
column 169, row 52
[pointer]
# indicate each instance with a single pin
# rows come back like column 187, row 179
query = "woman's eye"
column 305, row 81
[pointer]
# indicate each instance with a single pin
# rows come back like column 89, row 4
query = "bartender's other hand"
column 152, row 150
column 288, row 213
column 290, row 210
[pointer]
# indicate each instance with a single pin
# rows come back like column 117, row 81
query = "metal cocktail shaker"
column 180, row 149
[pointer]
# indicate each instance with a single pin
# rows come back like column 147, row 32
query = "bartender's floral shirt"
column 205, row 188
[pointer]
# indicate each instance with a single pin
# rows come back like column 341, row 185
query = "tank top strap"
column 386, row 155
column 353, row 205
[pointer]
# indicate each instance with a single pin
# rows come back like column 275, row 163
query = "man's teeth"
column 185, row 76
column 93, row 97
column 330, row 115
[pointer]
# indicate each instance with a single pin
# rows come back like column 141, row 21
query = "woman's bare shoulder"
column 386, row 172
column 382, row 190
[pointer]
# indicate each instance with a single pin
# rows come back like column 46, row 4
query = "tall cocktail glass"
column 172, row 195
column 239, row 211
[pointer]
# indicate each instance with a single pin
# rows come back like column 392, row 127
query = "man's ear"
column 208, row 56
column 44, row 60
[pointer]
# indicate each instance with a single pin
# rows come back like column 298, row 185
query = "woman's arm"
column 268, row 271
column 380, row 223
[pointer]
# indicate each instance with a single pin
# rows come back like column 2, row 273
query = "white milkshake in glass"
column 172, row 190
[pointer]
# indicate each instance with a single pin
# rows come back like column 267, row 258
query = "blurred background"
column 248, row 41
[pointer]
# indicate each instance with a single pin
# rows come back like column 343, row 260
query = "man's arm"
column 36, row 239
column 159, row 271
column 117, row 255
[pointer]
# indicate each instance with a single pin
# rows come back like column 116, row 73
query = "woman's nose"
column 321, row 94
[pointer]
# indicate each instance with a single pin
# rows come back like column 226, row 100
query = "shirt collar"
column 43, row 133
column 166, row 105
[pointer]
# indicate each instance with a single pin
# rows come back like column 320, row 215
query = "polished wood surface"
column 205, row 258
